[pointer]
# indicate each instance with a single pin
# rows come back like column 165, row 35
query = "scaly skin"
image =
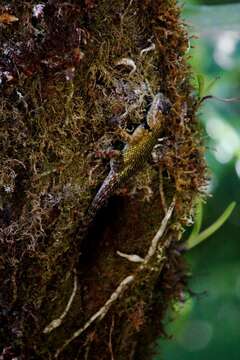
column 135, row 155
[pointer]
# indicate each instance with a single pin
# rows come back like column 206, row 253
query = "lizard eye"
column 130, row 128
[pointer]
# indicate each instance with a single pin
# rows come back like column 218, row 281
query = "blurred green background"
column 207, row 326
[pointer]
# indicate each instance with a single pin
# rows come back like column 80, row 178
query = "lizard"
column 134, row 155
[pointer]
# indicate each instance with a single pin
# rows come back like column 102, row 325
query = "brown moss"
column 65, row 93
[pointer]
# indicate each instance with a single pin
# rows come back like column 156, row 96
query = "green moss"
column 71, row 97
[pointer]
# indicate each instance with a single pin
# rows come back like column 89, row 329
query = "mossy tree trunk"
column 75, row 76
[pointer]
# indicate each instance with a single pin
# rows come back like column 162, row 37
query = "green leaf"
column 193, row 241
column 201, row 85
column 210, row 85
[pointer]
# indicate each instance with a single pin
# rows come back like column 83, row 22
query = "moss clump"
column 75, row 78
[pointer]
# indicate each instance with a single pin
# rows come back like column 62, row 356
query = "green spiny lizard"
column 135, row 154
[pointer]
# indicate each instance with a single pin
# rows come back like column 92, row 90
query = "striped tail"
column 104, row 193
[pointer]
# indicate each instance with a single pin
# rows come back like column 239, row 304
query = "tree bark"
column 76, row 77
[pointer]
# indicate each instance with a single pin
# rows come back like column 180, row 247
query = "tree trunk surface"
column 76, row 79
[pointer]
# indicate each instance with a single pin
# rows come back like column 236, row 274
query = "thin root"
column 132, row 258
column 57, row 322
column 125, row 283
column 127, row 62
column 100, row 313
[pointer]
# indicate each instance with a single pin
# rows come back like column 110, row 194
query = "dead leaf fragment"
column 6, row 18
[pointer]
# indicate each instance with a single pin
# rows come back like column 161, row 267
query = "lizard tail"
column 104, row 193
column 100, row 200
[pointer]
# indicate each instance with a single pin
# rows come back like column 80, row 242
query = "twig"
column 147, row 49
column 155, row 241
column 132, row 258
column 57, row 322
column 110, row 339
column 226, row 100
column 162, row 197
column 159, row 234
column 127, row 62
